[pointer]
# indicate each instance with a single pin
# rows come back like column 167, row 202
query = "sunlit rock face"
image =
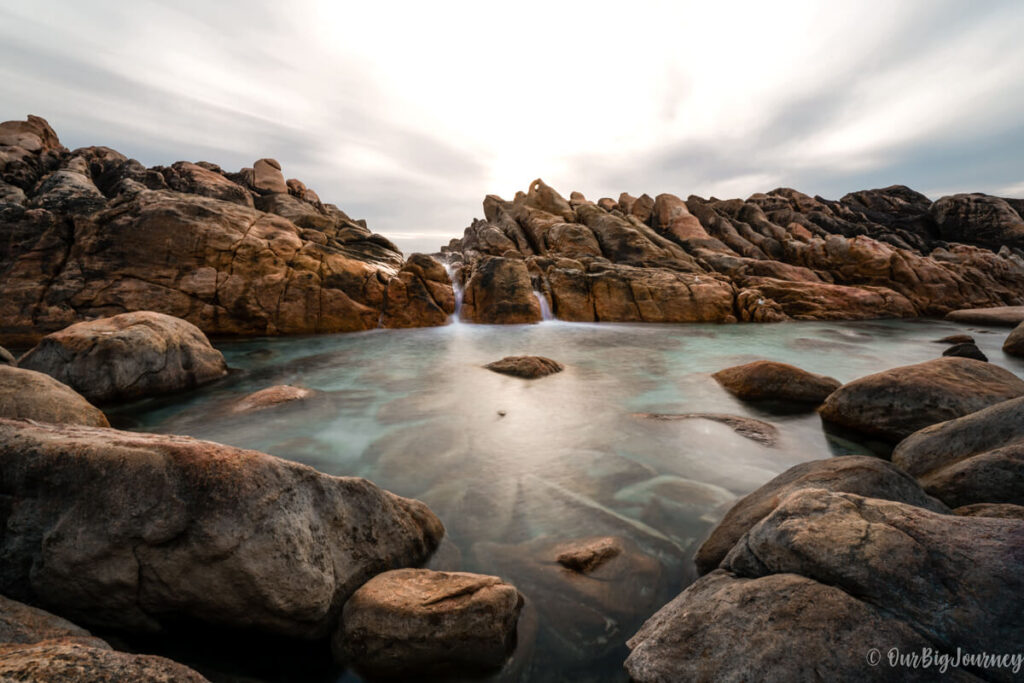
column 776, row 256
column 90, row 233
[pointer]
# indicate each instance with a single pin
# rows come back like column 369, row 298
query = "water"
column 545, row 308
column 513, row 466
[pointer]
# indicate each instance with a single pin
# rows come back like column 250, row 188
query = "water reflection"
column 518, row 469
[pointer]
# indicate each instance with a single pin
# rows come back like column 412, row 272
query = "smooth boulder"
column 35, row 396
column 894, row 404
column 861, row 474
column 418, row 622
column 128, row 356
column 769, row 380
column 526, row 367
column 1014, row 344
column 966, row 350
column 136, row 531
column 6, row 357
column 1000, row 316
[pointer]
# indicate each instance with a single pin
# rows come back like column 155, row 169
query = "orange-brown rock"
column 421, row 295
column 271, row 397
column 499, row 291
column 37, row 396
column 1014, row 344
column 769, row 380
column 527, row 367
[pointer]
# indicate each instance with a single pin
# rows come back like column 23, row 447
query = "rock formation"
column 139, row 531
column 90, row 233
column 36, row 396
column 768, row 380
column 1014, row 344
column 131, row 355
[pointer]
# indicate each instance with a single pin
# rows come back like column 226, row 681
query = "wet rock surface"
column 1014, row 344
column 1001, row 316
column 36, row 396
column 895, row 403
column 414, row 623
column 138, row 531
column 526, row 367
column 271, row 397
column 768, row 380
column 966, row 350
column 128, row 356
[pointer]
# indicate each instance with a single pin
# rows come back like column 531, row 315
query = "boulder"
column 966, row 350
column 267, row 177
column 527, row 367
column 35, row 396
column 1000, row 316
column 499, row 291
column 776, row 628
column 999, row 510
column 417, row 623
column 39, row 646
column 420, row 295
column 860, row 474
column 128, row 356
column 271, row 397
column 895, row 403
column 978, row 219
column 136, row 532
column 1014, row 344
column 953, row 579
column 956, row 339
column 7, row 358
column 768, row 380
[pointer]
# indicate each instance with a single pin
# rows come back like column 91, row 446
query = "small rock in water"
column 955, row 339
column 585, row 557
column 270, row 397
column 966, row 350
column 527, row 367
column 768, row 380
column 502, row 413
column 760, row 431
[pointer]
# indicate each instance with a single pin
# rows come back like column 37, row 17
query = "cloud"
column 408, row 113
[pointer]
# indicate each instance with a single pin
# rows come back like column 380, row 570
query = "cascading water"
column 545, row 309
column 456, row 288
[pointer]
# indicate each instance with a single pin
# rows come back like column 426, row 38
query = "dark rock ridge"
column 90, row 233
column 782, row 255
column 138, row 532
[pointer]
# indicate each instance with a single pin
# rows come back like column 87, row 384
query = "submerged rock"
column 131, row 355
column 760, row 431
column 895, row 403
column 415, row 623
column 138, row 531
column 39, row 646
column 527, row 367
column 271, row 397
column 860, row 474
column 35, row 396
column 768, row 380
column 1014, row 344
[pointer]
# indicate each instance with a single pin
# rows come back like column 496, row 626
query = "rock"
column 956, row 339
column 978, row 219
column 768, row 380
column 267, row 177
column 1014, row 344
column 966, row 350
column 136, row 532
column 1001, row 316
column 860, row 474
column 39, row 646
column 36, row 396
column 527, row 367
column 499, row 291
column 591, row 593
column 1000, row 510
column 128, row 356
column 194, row 179
column 953, row 579
column 729, row 628
column 420, row 295
column 271, row 397
column 895, row 403
column 417, row 622
column 995, row 476
column 760, row 431
column 7, row 358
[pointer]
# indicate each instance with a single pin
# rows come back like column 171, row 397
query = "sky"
column 408, row 113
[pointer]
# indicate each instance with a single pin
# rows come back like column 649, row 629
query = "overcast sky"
column 407, row 114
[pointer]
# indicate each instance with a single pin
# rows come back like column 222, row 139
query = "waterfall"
column 456, row 288
column 545, row 310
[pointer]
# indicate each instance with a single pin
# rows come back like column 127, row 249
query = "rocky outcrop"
column 39, row 646
column 860, row 474
column 90, row 233
column 421, row 295
column 895, row 403
column 128, row 356
column 421, row 623
column 139, row 531
column 998, row 510
column 1014, row 344
column 35, row 396
column 768, row 380
column 527, row 367
column 775, row 256
column 1000, row 316
column 978, row 458
column 978, row 219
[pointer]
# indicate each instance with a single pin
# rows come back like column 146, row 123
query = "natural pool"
column 510, row 465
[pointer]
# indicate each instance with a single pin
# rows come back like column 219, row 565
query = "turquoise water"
column 505, row 461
